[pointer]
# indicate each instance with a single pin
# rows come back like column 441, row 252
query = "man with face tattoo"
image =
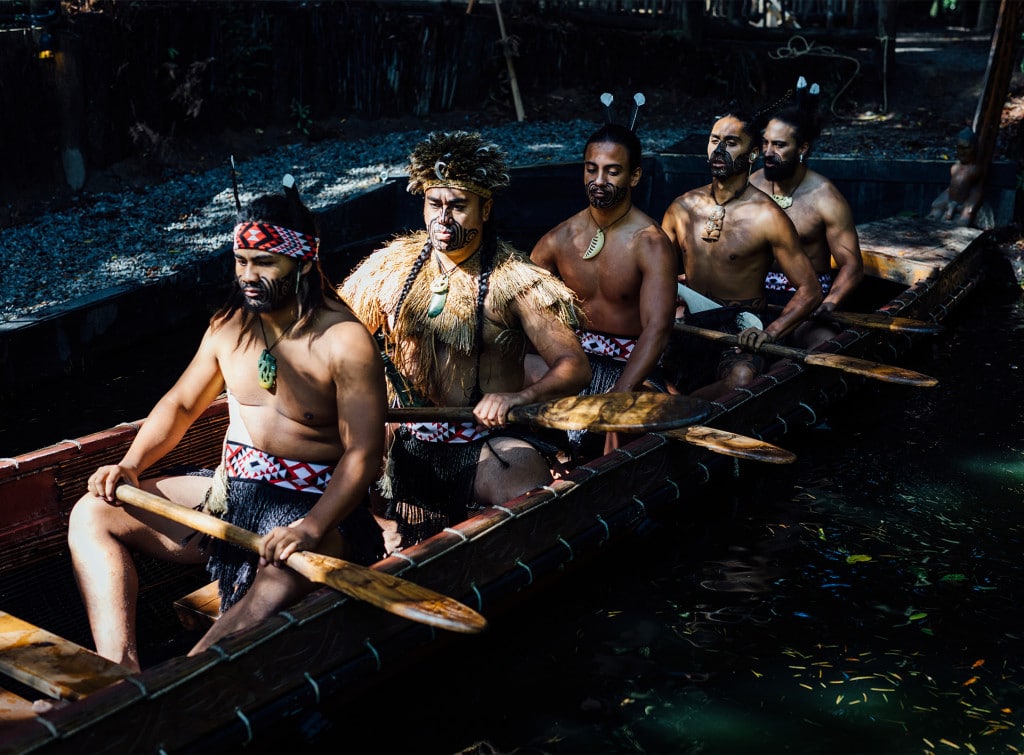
column 307, row 404
column 820, row 213
column 456, row 308
column 727, row 234
column 621, row 266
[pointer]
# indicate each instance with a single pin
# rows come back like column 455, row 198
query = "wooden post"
column 997, row 80
column 520, row 116
column 71, row 110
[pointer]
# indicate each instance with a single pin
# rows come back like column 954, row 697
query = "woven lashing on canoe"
column 201, row 446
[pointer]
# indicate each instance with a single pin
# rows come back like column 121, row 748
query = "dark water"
column 865, row 599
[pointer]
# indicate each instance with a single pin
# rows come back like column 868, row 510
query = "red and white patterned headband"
column 276, row 240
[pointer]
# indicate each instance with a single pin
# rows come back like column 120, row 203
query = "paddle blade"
column 882, row 321
column 884, row 372
column 731, row 444
column 639, row 412
column 398, row 596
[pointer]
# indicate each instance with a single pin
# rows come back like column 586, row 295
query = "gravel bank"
column 110, row 239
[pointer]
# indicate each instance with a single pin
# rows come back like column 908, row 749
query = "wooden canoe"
column 329, row 646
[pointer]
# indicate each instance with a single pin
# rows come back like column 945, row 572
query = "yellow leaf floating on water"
column 917, row 616
column 857, row 558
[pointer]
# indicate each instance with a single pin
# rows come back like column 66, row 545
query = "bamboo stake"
column 520, row 115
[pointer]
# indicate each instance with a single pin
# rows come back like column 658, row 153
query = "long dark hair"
column 314, row 289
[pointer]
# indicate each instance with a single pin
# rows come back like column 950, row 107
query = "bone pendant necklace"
column 597, row 242
column 786, row 201
column 783, row 201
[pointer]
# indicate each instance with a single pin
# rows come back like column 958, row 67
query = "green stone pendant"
column 438, row 295
column 266, row 369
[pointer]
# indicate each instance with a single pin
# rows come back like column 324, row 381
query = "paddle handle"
column 852, row 365
column 378, row 588
column 217, row 528
column 432, row 414
column 874, row 321
column 197, row 520
column 774, row 349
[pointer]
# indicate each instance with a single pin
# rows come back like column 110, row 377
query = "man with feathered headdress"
column 457, row 308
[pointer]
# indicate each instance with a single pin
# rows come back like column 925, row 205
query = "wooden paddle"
column 639, row 412
column 878, row 321
column 644, row 411
column 383, row 590
column 731, row 444
column 883, row 372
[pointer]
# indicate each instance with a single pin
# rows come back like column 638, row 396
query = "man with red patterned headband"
column 457, row 308
column 305, row 387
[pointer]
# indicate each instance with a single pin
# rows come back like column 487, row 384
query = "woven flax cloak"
column 375, row 286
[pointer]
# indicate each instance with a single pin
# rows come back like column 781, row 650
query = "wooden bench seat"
column 50, row 664
column 200, row 608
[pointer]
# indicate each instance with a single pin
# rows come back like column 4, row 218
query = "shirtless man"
column 728, row 233
column 306, row 391
column 456, row 308
column 820, row 213
column 621, row 266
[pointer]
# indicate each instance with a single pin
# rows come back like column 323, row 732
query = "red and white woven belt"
column 616, row 347
column 248, row 463
column 446, row 432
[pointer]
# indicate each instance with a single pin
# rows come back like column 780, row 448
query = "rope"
column 823, row 51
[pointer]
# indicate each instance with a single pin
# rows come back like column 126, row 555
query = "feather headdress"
column 458, row 160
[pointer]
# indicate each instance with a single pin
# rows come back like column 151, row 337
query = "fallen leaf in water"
column 857, row 558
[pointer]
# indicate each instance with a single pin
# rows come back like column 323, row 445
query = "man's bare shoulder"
column 648, row 233
column 693, row 196
column 556, row 238
column 337, row 320
column 342, row 337
column 822, row 194
column 758, row 180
